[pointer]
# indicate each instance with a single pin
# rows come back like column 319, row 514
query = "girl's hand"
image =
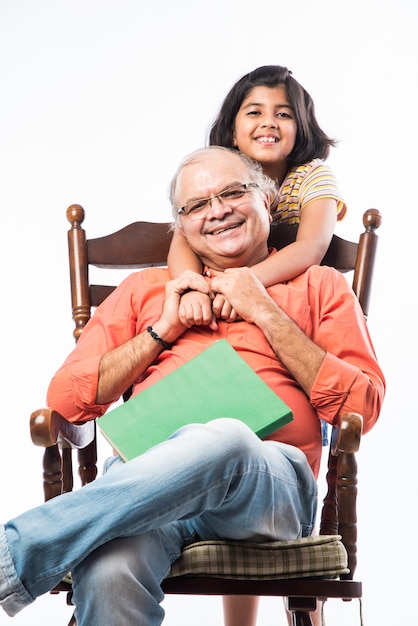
column 195, row 309
column 222, row 309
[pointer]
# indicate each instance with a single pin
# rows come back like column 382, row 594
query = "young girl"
column 270, row 117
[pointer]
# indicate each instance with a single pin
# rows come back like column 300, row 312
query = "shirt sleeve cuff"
column 332, row 387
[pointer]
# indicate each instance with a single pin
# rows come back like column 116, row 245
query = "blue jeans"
column 120, row 534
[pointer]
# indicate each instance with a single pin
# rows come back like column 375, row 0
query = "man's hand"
column 243, row 292
column 174, row 320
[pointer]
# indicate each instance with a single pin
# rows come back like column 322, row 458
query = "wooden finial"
column 372, row 219
column 75, row 215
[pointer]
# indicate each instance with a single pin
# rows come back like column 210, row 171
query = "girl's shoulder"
column 287, row 205
column 299, row 172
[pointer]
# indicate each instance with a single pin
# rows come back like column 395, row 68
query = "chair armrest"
column 48, row 427
column 346, row 435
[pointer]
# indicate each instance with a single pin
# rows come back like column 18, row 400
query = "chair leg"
column 72, row 621
column 301, row 618
column 300, row 609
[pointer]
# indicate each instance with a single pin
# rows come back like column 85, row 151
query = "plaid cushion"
column 322, row 555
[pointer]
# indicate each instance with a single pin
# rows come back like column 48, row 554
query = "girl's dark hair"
column 311, row 141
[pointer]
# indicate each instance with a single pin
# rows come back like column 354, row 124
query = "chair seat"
column 322, row 555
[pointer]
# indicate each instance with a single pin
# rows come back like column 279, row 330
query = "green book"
column 216, row 383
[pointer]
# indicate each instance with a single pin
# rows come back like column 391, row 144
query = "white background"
column 99, row 101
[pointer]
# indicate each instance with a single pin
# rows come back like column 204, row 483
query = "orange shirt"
column 319, row 301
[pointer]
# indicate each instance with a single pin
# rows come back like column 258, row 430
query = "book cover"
column 216, row 383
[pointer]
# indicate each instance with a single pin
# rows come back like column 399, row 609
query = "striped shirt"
column 303, row 184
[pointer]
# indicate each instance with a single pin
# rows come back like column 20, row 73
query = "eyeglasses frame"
column 246, row 189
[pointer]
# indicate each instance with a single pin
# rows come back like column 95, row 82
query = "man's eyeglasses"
column 230, row 196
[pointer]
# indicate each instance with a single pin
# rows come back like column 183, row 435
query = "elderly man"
column 307, row 339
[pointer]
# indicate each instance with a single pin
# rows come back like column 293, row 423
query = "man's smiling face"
column 228, row 232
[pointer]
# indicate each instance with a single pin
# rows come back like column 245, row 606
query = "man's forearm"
column 301, row 356
column 122, row 366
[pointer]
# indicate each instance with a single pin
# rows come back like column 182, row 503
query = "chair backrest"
column 146, row 244
column 138, row 245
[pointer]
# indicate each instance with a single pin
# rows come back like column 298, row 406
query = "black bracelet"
column 156, row 337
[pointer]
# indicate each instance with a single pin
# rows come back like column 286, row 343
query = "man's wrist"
column 165, row 331
column 165, row 344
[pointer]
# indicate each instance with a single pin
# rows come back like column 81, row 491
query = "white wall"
column 99, row 101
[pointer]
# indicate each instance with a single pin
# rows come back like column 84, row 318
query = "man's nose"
column 219, row 207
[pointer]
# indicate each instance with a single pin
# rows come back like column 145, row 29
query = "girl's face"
column 265, row 129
